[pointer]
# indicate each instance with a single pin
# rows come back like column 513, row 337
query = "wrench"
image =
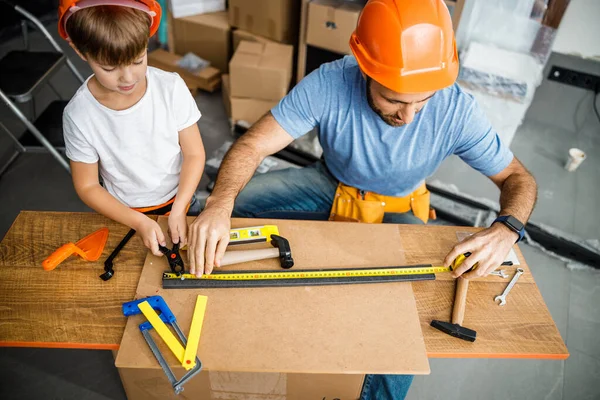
column 499, row 273
column 512, row 282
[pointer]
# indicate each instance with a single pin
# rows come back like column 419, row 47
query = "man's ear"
column 77, row 51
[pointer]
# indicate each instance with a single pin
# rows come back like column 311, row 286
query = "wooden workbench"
column 71, row 307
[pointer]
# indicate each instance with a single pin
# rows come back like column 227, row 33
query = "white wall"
column 579, row 31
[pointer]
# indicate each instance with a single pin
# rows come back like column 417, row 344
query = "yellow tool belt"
column 355, row 205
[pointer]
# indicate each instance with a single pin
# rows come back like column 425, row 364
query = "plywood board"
column 368, row 328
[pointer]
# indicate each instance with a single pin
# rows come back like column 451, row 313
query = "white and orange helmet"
column 66, row 8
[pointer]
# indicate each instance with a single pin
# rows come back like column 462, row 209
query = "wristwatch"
column 513, row 224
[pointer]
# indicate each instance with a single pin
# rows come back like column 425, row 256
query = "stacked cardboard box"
column 206, row 35
column 240, row 34
column 274, row 19
column 208, row 78
column 331, row 23
column 260, row 75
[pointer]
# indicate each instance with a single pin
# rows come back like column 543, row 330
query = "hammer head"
column 455, row 330
column 285, row 252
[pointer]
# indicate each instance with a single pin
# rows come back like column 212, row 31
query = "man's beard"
column 390, row 119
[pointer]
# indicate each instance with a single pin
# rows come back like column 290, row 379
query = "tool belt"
column 354, row 205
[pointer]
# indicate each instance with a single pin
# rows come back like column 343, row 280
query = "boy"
column 134, row 124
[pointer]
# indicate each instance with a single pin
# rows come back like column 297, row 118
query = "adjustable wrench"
column 512, row 282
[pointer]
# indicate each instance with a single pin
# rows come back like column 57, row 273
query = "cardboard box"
column 244, row 109
column 185, row 8
column 206, row 35
column 331, row 23
column 240, row 34
column 207, row 79
column 274, row 19
column 226, row 94
column 149, row 384
column 261, row 70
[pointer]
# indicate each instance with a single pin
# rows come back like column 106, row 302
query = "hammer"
column 458, row 314
column 281, row 250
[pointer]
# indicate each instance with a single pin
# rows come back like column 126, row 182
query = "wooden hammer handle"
column 460, row 301
column 241, row 256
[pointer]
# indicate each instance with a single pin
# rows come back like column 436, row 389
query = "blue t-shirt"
column 362, row 151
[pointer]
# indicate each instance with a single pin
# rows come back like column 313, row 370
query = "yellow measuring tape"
column 312, row 274
column 317, row 274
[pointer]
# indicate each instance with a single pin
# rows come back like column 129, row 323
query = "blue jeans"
column 307, row 193
column 297, row 193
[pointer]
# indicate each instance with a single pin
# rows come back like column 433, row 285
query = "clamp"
column 166, row 316
column 174, row 258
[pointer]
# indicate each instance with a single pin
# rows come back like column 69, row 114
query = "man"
column 387, row 118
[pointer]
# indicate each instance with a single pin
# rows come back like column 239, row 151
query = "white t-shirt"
column 138, row 148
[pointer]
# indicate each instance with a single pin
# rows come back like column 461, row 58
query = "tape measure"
column 239, row 279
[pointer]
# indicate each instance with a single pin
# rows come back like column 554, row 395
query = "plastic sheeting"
column 504, row 48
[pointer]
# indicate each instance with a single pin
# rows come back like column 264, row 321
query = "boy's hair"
column 109, row 35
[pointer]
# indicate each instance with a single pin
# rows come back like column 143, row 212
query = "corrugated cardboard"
column 331, row 23
column 243, row 109
column 261, row 70
column 226, row 94
column 151, row 384
column 240, row 34
column 274, row 19
column 206, row 35
column 207, row 79
column 249, row 110
column 338, row 329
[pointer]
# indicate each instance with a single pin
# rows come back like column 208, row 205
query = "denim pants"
column 307, row 193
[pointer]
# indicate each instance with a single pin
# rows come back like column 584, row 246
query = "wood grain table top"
column 71, row 307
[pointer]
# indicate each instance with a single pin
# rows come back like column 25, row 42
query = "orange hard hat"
column 407, row 46
column 66, row 8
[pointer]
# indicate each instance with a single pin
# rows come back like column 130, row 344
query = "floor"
column 559, row 118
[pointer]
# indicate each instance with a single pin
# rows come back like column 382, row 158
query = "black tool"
column 174, row 258
column 458, row 313
column 285, row 252
column 108, row 264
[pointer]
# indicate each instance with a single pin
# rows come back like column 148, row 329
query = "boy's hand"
column 151, row 234
column 178, row 227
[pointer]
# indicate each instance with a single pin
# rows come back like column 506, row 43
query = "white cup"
column 576, row 157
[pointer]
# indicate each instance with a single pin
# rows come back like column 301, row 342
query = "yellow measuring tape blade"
column 189, row 358
column 316, row 274
column 164, row 332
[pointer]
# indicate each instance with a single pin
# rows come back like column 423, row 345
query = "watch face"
column 515, row 223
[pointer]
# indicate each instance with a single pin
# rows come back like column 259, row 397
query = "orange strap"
column 160, row 209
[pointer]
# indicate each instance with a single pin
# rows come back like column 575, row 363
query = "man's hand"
column 488, row 248
column 151, row 234
column 208, row 239
column 178, row 227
